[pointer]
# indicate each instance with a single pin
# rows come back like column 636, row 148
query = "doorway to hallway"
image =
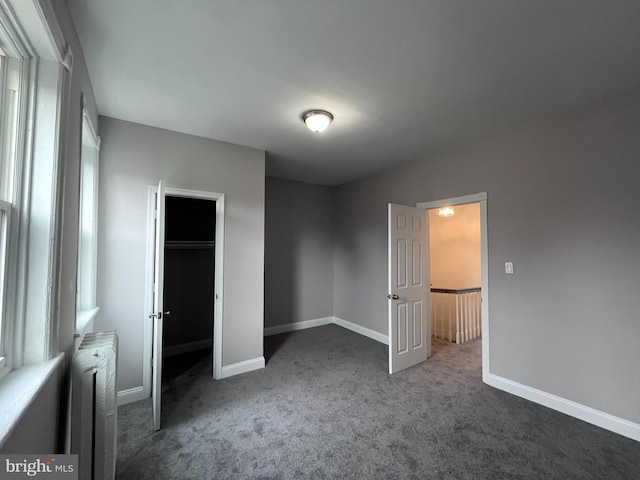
column 455, row 272
column 460, row 266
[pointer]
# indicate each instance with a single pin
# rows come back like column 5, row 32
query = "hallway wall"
column 454, row 248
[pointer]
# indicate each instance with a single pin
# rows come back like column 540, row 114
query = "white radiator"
column 94, row 408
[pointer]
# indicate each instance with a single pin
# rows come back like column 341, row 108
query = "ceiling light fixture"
column 445, row 212
column 317, row 120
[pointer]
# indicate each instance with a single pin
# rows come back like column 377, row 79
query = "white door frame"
column 218, row 279
column 480, row 198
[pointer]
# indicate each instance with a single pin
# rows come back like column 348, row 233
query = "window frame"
column 15, row 111
column 88, row 200
column 32, row 42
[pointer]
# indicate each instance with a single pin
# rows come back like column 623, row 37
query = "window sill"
column 19, row 389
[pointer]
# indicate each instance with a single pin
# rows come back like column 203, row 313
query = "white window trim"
column 87, row 308
column 31, row 342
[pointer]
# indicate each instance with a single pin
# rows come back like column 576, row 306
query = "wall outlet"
column 508, row 267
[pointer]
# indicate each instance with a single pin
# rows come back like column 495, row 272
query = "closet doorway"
column 189, row 270
column 185, row 233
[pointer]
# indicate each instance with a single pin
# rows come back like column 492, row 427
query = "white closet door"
column 157, row 315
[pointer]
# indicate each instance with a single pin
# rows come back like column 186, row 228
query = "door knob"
column 393, row 297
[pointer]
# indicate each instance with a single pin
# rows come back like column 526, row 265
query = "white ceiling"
column 405, row 79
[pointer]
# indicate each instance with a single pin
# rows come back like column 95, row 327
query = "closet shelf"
column 183, row 244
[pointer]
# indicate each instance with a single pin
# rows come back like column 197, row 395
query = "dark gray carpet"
column 325, row 408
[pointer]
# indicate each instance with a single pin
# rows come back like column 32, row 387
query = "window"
column 35, row 80
column 35, row 66
column 10, row 188
column 88, row 233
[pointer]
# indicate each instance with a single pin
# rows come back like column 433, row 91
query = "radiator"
column 94, row 407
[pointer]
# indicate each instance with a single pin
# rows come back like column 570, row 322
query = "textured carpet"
column 325, row 408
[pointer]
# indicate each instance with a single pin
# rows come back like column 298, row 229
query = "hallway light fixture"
column 317, row 120
column 446, row 212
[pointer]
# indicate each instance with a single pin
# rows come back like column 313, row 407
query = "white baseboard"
column 137, row 393
column 131, row 395
column 242, row 367
column 573, row 409
column 367, row 332
column 317, row 322
column 187, row 347
column 290, row 327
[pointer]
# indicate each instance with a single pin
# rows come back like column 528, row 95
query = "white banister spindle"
column 471, row 314
column 456, row 314
column 440, row 318
column 479, row 302
column 467, row 317
column 450, row 319
column 475, row 315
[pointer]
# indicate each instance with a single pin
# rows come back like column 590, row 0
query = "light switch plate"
column 508, row 267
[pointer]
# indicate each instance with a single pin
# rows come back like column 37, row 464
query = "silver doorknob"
column 393, row 297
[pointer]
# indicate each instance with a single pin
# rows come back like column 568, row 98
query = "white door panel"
column 157, row 315
column 408, row 287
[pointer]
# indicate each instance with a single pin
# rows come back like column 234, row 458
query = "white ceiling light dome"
column 317, row 120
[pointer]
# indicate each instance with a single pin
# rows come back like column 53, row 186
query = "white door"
column 409, row 290
column 157, row 314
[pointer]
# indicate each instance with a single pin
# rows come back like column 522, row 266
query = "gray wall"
column 563, row 206
column 80, row 85
column 298, row 252
column 133, row 157
column 38, row 430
